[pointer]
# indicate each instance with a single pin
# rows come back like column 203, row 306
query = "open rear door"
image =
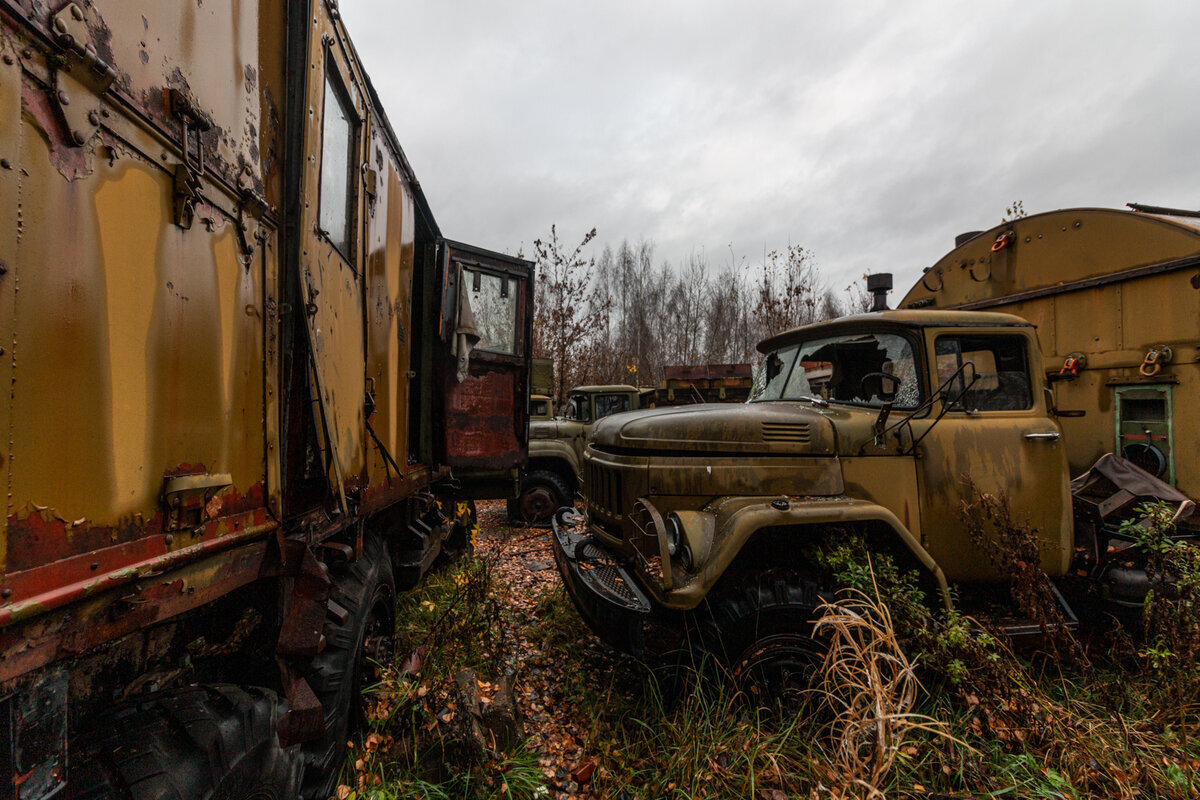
column 487, row 322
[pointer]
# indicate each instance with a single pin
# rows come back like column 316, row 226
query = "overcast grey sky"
column 869, row 132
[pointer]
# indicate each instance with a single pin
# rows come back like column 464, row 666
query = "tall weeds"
column 870, row 687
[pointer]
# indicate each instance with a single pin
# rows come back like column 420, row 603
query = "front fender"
column 718, row 533
column 555, row 449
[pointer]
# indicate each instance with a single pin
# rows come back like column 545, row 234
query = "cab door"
column 330, row 250
column 996, row 435
column 487, row 326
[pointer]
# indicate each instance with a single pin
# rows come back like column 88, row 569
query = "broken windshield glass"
column 865, row 369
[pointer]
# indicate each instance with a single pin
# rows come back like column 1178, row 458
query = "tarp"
column 1123, row 474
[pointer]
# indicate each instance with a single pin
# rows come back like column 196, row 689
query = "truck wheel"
column 214, row 742
column 542, row 493
column 763, row 632
column 359, row 631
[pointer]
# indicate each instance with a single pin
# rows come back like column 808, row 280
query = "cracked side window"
column 493, row 300
column 996, row 373
column 772, row 375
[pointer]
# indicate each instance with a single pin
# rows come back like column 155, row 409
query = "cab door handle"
column 1049, row 437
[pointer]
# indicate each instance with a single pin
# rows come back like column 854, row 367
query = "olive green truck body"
column 884, row 422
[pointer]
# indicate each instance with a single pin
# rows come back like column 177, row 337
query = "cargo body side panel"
column 1104, row 284
column 390, row 230
column 135, row 311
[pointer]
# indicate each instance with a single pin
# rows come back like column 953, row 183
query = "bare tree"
column 788, row 291
column 566, row 307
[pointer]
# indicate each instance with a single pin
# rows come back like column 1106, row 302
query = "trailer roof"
column 1058, row 251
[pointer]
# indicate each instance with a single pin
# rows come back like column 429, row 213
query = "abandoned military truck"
column 697, row 518
column 252, row 391
column 556, row 444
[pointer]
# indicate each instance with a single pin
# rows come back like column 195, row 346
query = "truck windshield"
column 867, row 369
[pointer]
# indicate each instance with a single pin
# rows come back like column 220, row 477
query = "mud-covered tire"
column 359, row 631
column 214, row 742
column 761, row 631
column 542, row 493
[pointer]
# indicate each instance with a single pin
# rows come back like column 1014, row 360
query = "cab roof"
column 898, row 318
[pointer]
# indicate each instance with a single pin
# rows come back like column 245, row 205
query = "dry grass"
column 871, row 688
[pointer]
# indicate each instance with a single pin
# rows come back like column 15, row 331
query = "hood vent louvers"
column 791, row 432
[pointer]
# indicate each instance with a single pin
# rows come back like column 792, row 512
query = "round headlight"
column 674, row 534
column 685, row 558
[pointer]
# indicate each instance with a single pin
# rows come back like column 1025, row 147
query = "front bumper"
column 605, row 595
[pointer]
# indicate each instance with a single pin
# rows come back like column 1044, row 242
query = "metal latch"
column 81, row 77
column 189, row 171
column 187, row 497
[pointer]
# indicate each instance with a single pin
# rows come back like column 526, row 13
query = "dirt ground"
column 524, row 576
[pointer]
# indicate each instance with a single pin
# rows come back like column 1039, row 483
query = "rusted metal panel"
column 391, row 234
column 707, row 372
column 479, row 420
column 331, row 262
column 133, row 340
column 104, row 614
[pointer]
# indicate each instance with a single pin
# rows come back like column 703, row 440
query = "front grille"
column 602, row 488
column 794, row 432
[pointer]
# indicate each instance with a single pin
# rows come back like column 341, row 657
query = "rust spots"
column 47, row 553
column 479, row 421
column 72, row 162
column 47, row 637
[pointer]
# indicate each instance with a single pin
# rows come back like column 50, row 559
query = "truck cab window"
column 997, row 375
column 493, row 301
column 578, row 408
column 337, row 150
column 611, row 404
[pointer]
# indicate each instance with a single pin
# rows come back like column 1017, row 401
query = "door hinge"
column 81, row 77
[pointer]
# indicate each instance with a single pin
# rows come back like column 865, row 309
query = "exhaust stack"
column 879, row 284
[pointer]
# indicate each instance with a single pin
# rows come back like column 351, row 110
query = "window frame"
column 1021, row 340
column 335, row 81
column 518, row 285
column 619, row 395
column 516, row 290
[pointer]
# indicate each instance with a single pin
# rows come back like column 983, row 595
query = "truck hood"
column 770, row 428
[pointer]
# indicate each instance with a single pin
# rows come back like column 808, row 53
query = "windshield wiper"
column 943, row 393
